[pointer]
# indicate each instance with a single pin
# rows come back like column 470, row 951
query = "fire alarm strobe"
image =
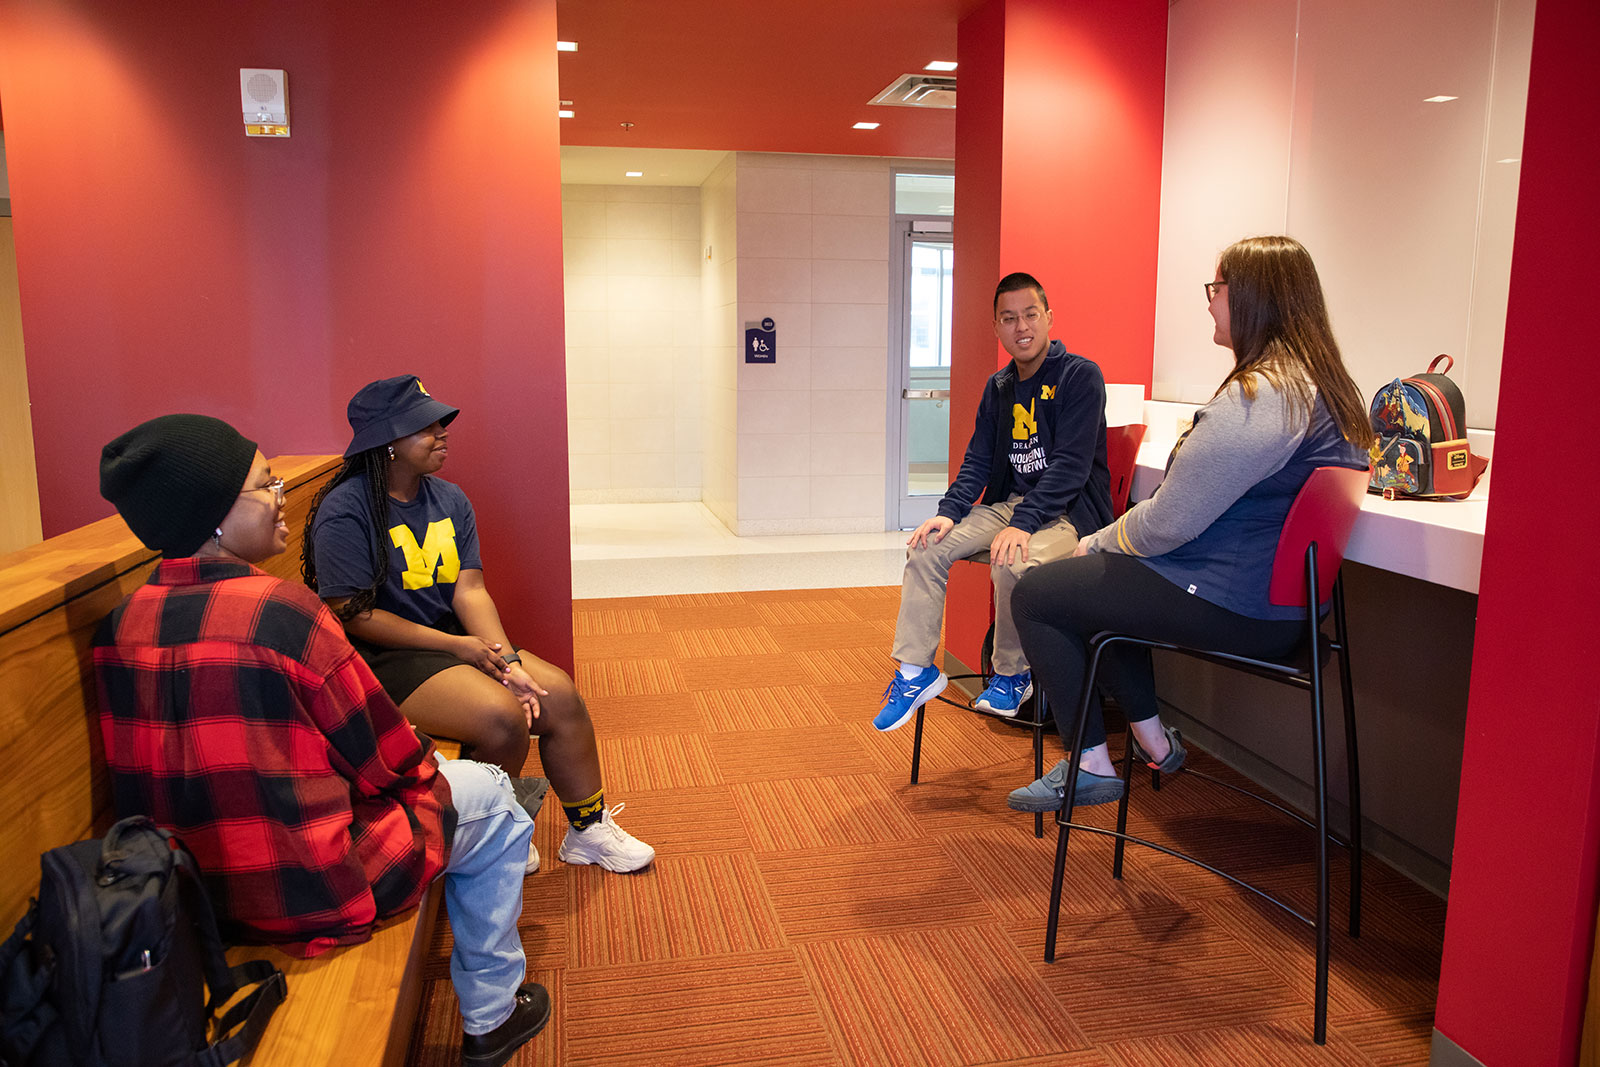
column 264, row 95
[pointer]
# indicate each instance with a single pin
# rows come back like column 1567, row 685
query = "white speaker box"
column 264, row 97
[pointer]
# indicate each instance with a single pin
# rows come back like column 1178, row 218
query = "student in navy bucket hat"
column 391, row 408
column 392, row 549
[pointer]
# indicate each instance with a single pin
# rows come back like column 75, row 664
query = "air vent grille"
column 919, row 90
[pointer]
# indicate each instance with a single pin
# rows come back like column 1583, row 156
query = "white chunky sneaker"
column 607, row 844
column 533, row 859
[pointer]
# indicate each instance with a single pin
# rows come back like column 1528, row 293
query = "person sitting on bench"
column 393, row 550
column 236, row 714
column 1038, row 458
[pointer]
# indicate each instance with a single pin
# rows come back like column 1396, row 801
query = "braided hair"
column 372, row 464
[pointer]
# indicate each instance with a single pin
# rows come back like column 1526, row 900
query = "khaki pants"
column 916, row 634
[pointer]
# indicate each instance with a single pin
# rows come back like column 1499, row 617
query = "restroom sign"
column 761, row 342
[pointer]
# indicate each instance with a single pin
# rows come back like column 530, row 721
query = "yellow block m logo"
column 1024, row 425
column 1047, row 392
column 437, row 552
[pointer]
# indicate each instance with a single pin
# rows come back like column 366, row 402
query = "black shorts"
column 402, row 670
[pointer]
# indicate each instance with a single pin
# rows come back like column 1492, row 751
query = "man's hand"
column 931, row 531
column 1081, row 550
column 525, row 689
column 1008, row 546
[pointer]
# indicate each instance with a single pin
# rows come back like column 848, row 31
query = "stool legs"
column 1319, row 748
column 1352, row 763
column 1122, row 805
column 1039, row 715
column 916, row 746
column 1064, row 818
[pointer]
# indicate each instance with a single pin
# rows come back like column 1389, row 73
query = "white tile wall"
column 719, row 371
column 663, row 405
column 632, row 264
column 813, row 235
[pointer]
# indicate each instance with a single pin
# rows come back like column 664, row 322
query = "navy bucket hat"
column 392, row 408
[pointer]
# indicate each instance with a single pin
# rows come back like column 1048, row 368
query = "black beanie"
column 173, row 479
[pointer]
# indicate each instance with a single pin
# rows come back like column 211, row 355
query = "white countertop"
column 1438, row 541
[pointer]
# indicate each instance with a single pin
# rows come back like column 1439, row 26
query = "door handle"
column 925, row 394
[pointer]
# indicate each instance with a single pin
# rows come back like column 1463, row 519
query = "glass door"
column 923, row 470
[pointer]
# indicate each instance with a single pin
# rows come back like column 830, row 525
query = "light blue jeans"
column 483, row 890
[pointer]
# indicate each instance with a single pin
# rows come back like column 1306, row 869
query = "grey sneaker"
column 1175, row 757
column 530, row 793
column 1048, row 793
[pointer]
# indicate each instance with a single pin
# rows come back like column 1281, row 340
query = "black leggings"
column 1059, row 606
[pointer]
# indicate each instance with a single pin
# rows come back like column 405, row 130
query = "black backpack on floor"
column 111, row 964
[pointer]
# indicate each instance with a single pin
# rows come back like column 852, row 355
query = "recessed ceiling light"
column 563, row 114
column 865, row 126
column 633, row 174
column 566, row 46
column 1438, row 99
column 940, row 64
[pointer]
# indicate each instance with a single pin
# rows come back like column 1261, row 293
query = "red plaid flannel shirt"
column 236, row 714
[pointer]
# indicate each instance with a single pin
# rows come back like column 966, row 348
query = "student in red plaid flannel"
column 236, row 714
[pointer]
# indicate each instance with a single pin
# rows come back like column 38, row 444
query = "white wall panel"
column 626, row 280
column 1224, row 168
column 1308, row 117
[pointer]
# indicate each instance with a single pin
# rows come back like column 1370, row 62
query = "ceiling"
column 754, row 75
column 656, row 166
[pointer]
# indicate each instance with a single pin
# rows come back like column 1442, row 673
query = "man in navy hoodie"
column 1038, row 460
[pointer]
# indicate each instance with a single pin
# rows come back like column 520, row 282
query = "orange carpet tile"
column 810, row 907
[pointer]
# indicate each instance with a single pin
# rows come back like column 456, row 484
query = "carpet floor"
column 809, row 906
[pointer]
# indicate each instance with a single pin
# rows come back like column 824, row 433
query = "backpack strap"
column 254, row 1012
column 222, row 982
column 1448, row 363
column 25, row 1011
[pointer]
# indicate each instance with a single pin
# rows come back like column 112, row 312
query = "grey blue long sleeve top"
column 1213, row 526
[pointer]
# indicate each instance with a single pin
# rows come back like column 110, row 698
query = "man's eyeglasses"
column 1009, row 321
column 1211, row 290
column 275, row 486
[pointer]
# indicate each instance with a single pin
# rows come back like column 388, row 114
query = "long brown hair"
column 1278, row 328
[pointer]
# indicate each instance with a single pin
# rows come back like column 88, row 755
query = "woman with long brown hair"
column 1191, row 565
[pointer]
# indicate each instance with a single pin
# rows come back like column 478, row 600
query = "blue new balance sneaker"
column 905, row 695
column 1005, row 694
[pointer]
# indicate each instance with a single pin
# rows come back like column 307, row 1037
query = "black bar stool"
column 1305, row 573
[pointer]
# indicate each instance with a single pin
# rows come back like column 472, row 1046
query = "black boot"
column 528, row 1017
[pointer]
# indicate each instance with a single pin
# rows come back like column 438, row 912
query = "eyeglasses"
column 275, row 486
column 1009, row 321
column 1211, row 290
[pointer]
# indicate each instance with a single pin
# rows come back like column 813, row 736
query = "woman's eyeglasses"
column 275, row 486
column 1211, row 290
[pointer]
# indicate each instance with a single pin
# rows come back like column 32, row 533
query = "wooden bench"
column 355, row 1005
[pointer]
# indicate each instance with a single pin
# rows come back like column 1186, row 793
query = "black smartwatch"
column 509, row 658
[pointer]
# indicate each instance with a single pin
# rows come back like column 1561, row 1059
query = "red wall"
column 1523, row 891
column 411, row 223
column 1058, row 173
